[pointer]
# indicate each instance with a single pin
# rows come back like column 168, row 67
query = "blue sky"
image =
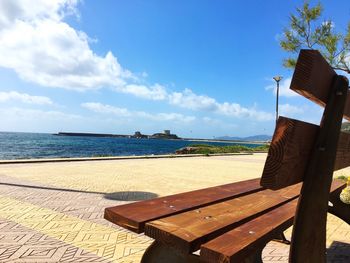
column 199, row 68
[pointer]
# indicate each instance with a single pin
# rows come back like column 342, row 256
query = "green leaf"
column 289, row 62
column 305, row 30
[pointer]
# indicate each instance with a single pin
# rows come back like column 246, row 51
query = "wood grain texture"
column 343, row 151
column 313, row 78
column 187, row 231
column 134, row 216
column 238, row 244
column 290, row 151
column 308, row 242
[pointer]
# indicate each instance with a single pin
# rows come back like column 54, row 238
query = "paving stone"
column 54, row 212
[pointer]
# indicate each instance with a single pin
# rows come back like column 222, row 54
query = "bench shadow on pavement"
column 338, row 252
column 118, row 196
column 130, row 196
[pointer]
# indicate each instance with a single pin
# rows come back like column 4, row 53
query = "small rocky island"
column 161, row 135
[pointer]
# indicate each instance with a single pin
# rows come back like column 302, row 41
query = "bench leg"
column 339, row 209
column 255, row 258
column 281, row 238
column 159, row 253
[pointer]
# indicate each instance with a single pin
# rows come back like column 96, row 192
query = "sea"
column 19, row 145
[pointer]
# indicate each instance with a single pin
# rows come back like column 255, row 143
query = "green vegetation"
column 343, row 177
column 211, row 149
column 307, row 30
column 345, row 127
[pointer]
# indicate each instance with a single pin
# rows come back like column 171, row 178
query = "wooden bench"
column 234, row 222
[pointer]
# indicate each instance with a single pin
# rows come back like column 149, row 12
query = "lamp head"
column 277, row 78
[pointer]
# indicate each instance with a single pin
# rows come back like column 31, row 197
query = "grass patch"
column 212, row 149
column 343, row 177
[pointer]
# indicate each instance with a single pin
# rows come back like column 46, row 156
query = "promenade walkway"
column 53, row 212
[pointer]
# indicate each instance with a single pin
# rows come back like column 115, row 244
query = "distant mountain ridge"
column 261, row 137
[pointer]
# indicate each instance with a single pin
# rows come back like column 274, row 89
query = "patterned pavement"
column 54, row 212
column 40, row 225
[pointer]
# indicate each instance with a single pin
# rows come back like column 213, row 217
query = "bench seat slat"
column 134, row 216
column 244, row 240
column 187, row 231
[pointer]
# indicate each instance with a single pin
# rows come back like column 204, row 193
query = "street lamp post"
column 277, row 79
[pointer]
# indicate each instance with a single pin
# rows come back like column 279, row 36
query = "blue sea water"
column 17, row 145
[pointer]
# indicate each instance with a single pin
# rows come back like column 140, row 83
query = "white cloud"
column 155, row 92
column 209, row 120
column 217, row 123
column 123, row 112
column 189, row 100
column 35, row 120
column 34, row 114
column 102, row 108
column 284, row 89
column 25, row 98
column 329, row 22
column 168, row 117
column 42, row 9
column 307, row 111
column 41, row 48
column 235, row 110
column 287, row 109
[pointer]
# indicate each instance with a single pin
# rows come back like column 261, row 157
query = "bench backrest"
column 304, row 152
column 293, row 140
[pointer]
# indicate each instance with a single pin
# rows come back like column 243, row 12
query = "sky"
column 197, row 67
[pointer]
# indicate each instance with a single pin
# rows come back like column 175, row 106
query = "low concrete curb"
column 83, row 159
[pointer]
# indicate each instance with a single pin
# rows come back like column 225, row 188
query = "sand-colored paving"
column 53, row 212
column 151, row 175
column 89, row 236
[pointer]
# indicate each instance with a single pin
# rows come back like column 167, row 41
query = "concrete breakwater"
column 92, row 134
column 138, row 135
